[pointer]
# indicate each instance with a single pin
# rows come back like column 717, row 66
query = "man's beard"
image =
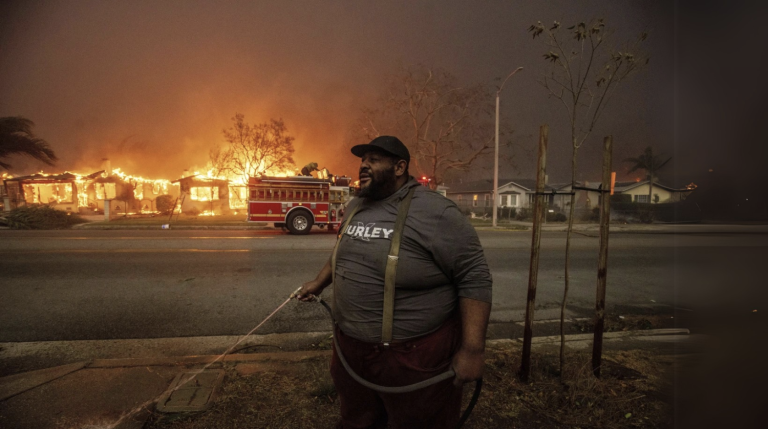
column 380, row 186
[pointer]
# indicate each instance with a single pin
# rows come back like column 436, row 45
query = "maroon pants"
column 436, row 406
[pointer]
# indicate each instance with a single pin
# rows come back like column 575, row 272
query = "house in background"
column 477, row 196
column 76, row 193
column 200, row 194
column 66, row 191
column 637, row 192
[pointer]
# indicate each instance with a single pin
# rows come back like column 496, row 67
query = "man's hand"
column 468, row 366
column 314, row 288
column 310, row 290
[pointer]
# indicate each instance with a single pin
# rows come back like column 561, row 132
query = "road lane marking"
column 129, row 251
column 143, row 238
column 157, row 251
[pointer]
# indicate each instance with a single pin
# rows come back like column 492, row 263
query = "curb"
column 206, row 359
column 173, row 227
column 589, row 337
column 13, row 385
column 18, row 383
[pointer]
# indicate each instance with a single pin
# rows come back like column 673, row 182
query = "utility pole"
column 496, row 156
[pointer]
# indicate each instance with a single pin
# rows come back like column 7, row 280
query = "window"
column 204, row 194
column 104, row 191
column 474, row 200
column 47, row 193
column 641, row 198
column 487, row 200
column 458, row 199
column 508, row 200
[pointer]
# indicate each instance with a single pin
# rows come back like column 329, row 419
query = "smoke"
column 150, row 85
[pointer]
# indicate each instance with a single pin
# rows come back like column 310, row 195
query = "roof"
column 486, row 185
column 626, row 186
column 63, row 177
column 195, row 177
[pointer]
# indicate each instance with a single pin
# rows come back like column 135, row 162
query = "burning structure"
column 100, row 191
column 205, row 195
column 66, row 191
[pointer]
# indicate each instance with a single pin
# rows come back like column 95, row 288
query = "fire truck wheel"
column 299, row 222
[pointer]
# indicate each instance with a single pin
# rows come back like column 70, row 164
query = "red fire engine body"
column 297, row 202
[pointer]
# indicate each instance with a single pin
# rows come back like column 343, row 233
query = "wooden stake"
column 533, row 272
column 602, row 264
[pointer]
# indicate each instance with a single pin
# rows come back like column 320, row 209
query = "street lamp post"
column 496, row 157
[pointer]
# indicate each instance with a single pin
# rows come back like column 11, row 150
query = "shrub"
column 591, row 215
column 40, row 217
column 620, row 198
column 507, row 212
column 524, row 214
column 556, row 217
column 164, row 203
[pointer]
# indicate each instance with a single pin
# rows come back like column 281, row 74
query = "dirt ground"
column 634, row 391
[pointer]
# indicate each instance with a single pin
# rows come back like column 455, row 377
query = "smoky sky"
column 150, row 85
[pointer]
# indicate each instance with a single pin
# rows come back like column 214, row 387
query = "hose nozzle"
column 295, row 293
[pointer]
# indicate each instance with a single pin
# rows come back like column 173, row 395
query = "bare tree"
column 259, row 148
column 585, row 74
column 446, row 125
column 219, row 161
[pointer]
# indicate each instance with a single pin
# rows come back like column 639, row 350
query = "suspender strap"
column 390, row 275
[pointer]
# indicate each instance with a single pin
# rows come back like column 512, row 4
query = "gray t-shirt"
column 440, row 260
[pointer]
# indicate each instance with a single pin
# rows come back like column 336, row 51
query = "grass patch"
column 632, row 393
column 500, row 224
column 629, row 322
column 39, row 217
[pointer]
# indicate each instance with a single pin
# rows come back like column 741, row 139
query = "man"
column 441, row 304
column 308, row 169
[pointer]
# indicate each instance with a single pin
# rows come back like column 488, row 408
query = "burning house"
column 66, row 191
column 99, row 191
column 210, row 196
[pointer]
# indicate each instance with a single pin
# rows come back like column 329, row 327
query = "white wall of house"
column 642, row 192
column 517, row 200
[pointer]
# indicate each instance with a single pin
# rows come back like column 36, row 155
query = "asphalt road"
column 87, row 285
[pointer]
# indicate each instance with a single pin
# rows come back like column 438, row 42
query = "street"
column 95, row 285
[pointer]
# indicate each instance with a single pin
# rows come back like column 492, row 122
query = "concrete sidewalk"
column 652, row 228
column 121, row 393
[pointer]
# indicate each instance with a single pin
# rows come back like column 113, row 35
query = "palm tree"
column 651, row 164
column 16, row 138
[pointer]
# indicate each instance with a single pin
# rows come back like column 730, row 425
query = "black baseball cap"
column 388, row 144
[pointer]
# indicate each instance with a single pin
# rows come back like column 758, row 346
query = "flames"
column 76, row 190
column 236, row 184
column 158, row 186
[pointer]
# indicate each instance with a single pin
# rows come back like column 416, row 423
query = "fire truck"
column 298, row 202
